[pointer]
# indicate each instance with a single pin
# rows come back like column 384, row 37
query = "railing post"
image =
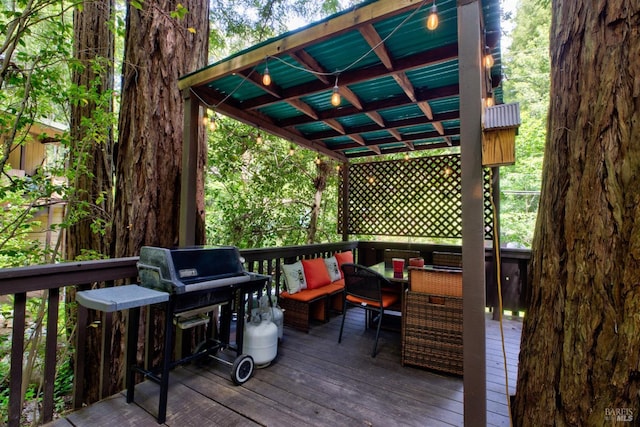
column 50, row 353
column 80, row 353
column 17, row 354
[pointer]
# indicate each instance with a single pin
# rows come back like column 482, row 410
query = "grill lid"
column 189, row 269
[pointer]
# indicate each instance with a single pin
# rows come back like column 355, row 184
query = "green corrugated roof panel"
column 444, row 105
column 435, row 76
column 284, row 73
column 238, row 87
column 341, row 51
column 280, row 111
column 415, row 36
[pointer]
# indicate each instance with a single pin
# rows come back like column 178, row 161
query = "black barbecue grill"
column 197, row 279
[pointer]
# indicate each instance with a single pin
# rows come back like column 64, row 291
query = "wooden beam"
column 256, row 78
column 450, row 115
column 334, row 124
column 264, row 124
column 435, row 56
column 323, row 30
column 376, row 117
column 396, row 134
column 404, row 82
column 375, row 42
column 189, row 178
column 438, row 126
column 358, row 139
column 473, row 272
column 310, row 63
column 350, row 96
column 303, row 107
column 391, row 102
column 426, row 109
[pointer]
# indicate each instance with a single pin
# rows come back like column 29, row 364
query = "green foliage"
column 261, row 195
column 526, row 69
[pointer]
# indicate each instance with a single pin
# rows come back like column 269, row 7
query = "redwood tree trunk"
column 580, row 351
column 158, row 50
column 320, row 184
column 91, row 158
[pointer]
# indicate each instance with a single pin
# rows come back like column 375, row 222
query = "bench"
column 310, row 292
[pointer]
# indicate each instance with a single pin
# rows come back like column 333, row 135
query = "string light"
column 489, row 101
column 335, row 96
column 266, row 77
column 209, row 122
column 259, row 139
column 406, row 156
column 292, row 150
column 432, row 20
column 317, row 160
column 488, row 58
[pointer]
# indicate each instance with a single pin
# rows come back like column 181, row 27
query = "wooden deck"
column 317, row 382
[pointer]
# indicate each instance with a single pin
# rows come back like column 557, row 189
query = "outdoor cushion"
column 306, row 296
column 342, row 258
column 387, row 300
column 333, row 268
column 294, row 277
column 315, row 272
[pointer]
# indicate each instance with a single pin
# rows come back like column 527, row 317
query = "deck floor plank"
column 315, row 381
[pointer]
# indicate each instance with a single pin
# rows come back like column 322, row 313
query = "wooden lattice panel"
column 418, row 197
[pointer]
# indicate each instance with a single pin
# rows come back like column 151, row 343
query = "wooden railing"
column 48, row 280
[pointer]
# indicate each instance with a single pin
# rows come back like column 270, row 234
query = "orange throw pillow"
column 315, row 272
column 342, row 258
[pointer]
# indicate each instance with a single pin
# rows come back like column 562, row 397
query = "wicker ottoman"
column 432, row 332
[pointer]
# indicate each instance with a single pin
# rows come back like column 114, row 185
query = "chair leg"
column 375, row 343
column 344, row 314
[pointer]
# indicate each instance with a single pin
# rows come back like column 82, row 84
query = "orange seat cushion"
column 315, row 273
column 387, row 300
column 342, row 258
column 305, row 295
column 336, row 286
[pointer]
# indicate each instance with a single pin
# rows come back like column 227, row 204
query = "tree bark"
column 320, row 184
column 91, row 152
column 579, row 357
column 158, row 50
column 91, row 157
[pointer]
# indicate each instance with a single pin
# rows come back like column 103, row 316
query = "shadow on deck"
column 315, row 381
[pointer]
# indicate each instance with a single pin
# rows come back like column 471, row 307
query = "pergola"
column 401, row 86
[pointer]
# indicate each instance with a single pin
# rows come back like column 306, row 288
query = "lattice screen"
column 418, row 197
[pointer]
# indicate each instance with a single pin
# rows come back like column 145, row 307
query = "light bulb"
column 432, row 20
column 317, row 160
column 205, row 119
column 488, row 58
column 335, row 96
column 406, row 156
column 259, row 139
column 213, row 125
column 266, row 77
column 489, row 101
column 292, row 150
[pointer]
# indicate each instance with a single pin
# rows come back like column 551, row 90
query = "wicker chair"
column 389, row 254
column 363, row 289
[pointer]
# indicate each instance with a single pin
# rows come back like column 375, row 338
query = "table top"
column 388, row 273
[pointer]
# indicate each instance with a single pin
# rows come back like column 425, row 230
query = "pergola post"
column 473, row 274
column 188, row 180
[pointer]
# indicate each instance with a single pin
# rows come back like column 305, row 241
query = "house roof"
column 398, row 81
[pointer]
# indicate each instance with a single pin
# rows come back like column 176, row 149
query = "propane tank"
column 275, row 312
column 260, row 340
